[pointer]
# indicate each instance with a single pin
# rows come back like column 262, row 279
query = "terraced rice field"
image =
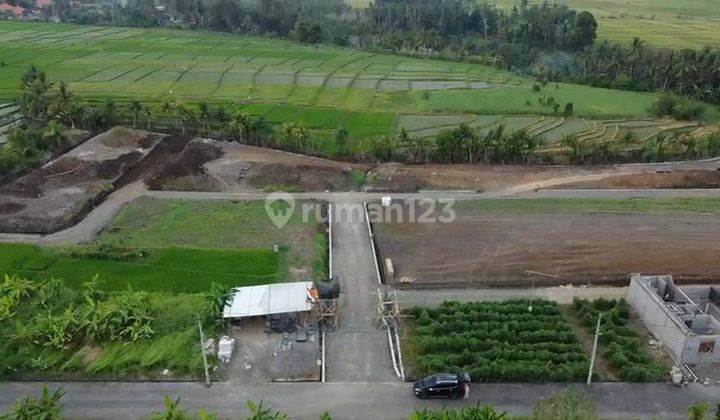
column 324, row 87
column 9, row 118
column 552, row 129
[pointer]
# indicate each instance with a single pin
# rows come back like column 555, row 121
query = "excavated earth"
column 62, row 191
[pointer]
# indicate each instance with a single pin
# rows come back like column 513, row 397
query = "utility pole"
column 202, row 351
column 594, row 350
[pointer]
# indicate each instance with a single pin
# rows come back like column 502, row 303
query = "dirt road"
column 357, row 351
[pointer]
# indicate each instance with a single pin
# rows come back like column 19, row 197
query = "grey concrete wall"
column 655, row 316
column 682, row 343
column 692, row 345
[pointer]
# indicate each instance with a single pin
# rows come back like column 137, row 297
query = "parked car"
column 442, row 385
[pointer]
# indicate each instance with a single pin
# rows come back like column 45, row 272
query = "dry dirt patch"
column 499, row 249
column 212, row 165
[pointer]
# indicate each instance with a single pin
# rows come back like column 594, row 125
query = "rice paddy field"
column 666, row 23
column 324, row 87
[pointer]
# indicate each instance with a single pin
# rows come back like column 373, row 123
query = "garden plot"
column 58, row 194
column 511, row 341
column 520, row 242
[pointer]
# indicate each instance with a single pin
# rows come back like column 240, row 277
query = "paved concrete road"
column 352, row 400
column 357, row 351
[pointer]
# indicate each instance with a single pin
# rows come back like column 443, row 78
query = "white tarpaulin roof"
column 269, row 299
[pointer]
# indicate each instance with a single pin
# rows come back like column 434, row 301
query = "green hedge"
column 520, row 340
column 624, row 348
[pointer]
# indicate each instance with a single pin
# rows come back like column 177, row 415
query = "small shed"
column 269, row 299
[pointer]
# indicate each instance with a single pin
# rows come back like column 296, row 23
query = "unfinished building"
column 685, row 319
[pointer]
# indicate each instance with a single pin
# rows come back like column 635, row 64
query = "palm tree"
column 205, row 116
column 187, row 117
column 64, row 106
column 135, row 108
column 258, row 412
column 147, row 114
column 53, row 135
column 239, row 125
column 172, row 411
column 697, row 411
column 574, row 148
column 109, row 112
column 47, row 407
column 636, row 47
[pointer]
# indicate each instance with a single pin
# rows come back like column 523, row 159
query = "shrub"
column 498, row 341
column 568, row 404
column 678, row 108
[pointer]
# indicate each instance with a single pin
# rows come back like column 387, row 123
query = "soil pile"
column 186, row 172
column 58, row 194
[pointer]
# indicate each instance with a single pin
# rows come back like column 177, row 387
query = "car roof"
column 444, row 378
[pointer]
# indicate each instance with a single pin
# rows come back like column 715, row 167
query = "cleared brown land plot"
column 510, row 249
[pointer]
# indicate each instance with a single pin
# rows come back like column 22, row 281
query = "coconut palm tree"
column 239, row 126
column 53, row 135
column 135, row 108
column 47, row 407
column 205, row 117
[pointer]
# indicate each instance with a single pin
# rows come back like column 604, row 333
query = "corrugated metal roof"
column 269, row 299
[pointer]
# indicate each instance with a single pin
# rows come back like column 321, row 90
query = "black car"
column 442, row 385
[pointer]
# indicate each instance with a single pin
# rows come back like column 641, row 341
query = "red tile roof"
column 15, row 10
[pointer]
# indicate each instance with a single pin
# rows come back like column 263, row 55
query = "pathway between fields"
column 357, row 351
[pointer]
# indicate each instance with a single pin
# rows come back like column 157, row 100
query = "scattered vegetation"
column 568, row 404
column 678, row 108
column 47, row 407
column 521, row 340
column 476, row 412
column 52, row 330
column 624, row 349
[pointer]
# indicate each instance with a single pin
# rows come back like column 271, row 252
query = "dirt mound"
column 124, row 137
column 58, row 194
column 303, row 177
column 10, row 207
column 674, row 179
column 396, row 177
column 189, row 164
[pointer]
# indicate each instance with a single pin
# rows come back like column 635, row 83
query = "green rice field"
column 665, row 23
column 177, row 246
column 324, row 87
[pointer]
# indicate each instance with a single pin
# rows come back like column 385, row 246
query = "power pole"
column 594, row 350
column 202, row 351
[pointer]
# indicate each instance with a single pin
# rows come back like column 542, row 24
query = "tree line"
column 54, row 107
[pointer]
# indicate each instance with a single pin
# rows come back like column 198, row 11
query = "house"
column 9, row 9
column 685, row 319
